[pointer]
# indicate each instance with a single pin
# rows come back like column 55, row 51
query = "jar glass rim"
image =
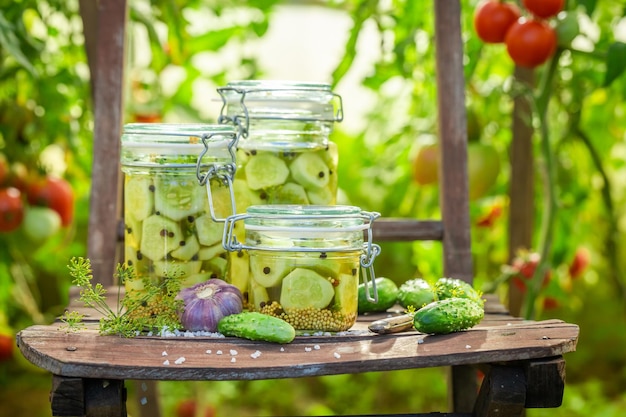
column 252, row 85
column 285, row 210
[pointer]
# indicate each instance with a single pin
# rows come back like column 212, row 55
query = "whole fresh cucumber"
column 449, row 315
column 387, row 294
column 456, row 288
column 416, row 292
column 257, row 326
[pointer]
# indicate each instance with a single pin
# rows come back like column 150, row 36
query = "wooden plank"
column 546, row 382
column 86, row 353
column 67, row 396
column 404, row 230
column 108, row 98
column 502, row 393
column 104, row 398
column 453, row 140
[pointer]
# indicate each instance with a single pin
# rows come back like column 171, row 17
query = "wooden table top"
column 86, row 353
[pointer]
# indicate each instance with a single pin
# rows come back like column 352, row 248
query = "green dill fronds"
column 72, row 321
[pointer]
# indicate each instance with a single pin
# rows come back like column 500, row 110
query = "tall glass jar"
column 177, row 196
column 305, row 262
column 285, row 155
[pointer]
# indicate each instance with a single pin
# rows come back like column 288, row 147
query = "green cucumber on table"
column 257, row 326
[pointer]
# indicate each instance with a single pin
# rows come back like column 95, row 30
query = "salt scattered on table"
column 179, row 360
column 316, row 347
column 219, row 352
column 166, row 362
column 256, row 354
column 164, row 353
column 233, row 352
column 307, row 349
column 336, row 355
column 208, row 351
column 233, row 360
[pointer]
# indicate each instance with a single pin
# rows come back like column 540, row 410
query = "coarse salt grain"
column 166, row 362
column 420, row 341
column 468, row 347
column 164, row 353
column 316, row 347
column 282, row 349
column 179, row 360
column 336, row 355
column 307, row 349
column 233, row 360
column 144, row 401
column 233, row 352
column 256, row 354
column 219, row 352
column 208, row 351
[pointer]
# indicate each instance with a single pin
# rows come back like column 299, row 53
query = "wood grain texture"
column 499, row 338
column 108, row 98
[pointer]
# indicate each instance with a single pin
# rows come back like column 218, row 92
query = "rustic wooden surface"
column 498, row 338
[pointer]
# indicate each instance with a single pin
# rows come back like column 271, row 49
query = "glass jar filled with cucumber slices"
column 305, row 262
column 285, row 155
column 177, row 196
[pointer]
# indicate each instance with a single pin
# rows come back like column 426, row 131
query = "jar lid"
column 175, row 139
column 283, row 100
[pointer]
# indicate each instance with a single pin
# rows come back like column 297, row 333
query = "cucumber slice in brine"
column 265, row 170
column 209, row 231
column 178, row 197
column 238, row 274
column 159, row 236
column 303, row 288
column 180, row 270
column 347, row 293
column 269, row 271
column 258, row 296
column 187, row 249
column 310, row 171
column 138, row 197
column 321, row 196
column 289, row 193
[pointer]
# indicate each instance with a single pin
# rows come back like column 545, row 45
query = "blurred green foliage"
column 45, row 109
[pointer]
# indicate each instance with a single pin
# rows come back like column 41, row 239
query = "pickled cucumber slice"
column 179, row 270
column 258, row 295
column 347, row 293
column 194, row 279
column 239, row 272
column 265, row 170
column 187, row 249
column 321, row 196
column 244, row 196
column 209, row 252
column 159, row 236
column 132, row 232
column 328, row 268
column 269, row 271
column 289, row 193
column 216, row 267
column 209, row 232
column 304, row 288
column 310, row 171
column 141, row 264
column 177, row 197
column 139, row 197
column 222, row 205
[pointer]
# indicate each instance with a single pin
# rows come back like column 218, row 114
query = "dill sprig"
column 153, row 308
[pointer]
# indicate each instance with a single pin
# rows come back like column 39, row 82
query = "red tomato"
column 550, row 303
column 579, row 263
column 55, row 193
column 530, row 43
column 426, row 165
column 7, row 344
column 490, row 218
column 544, row 9
column 11, row 209
column 524, row 266
column 492, row 20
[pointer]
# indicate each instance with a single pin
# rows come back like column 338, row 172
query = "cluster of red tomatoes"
column 39, row 205
column 530, row 39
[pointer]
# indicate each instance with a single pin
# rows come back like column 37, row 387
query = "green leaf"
column 615, row 62
column 10, row 42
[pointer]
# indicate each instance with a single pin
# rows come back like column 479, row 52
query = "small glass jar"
column 305, row 262
column 177, row 196
column 285, row 155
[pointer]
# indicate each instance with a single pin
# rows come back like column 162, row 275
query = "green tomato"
column 483, row 169
column 40, row 223
column 567, row 28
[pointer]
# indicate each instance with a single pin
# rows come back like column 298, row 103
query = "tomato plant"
column 544, row 9
column 579, row 263
column 4, row 168
column 567, row 28
column 483, row 165
column 426, row 164
column 11, row 209
column 530, row 43
column 492, row 20
column 55, row 193
column 523, row 268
